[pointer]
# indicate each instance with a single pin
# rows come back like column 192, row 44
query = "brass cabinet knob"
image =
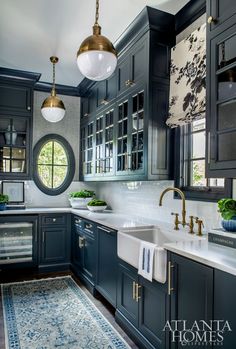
column 129, row 83
column 211, row 20
column 28, row 108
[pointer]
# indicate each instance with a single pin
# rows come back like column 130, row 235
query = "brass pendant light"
column 97, row 57
column 53, row 109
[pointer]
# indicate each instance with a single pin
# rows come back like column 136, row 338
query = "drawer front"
column 78, row 222
column 82, row 225
column 54, row 219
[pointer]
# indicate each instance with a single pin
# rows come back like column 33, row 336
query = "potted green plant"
column 96, row 205
column 3, row 201
column 80, row 199
column 227, row 209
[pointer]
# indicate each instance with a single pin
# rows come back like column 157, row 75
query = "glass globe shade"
column 53, row 114
column 97, row 65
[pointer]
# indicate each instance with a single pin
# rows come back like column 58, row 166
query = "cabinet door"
column 153, row 312
column 15, row 99
column 87, row 150
column 84, row 107
column 126, row 302
column 124, row 73
column 107, row 263
column 111, row 87
column 221, row 108
column 139, row 62
column 90, row 256
column 54, row 245
column 192, row 294
column 225, row 306
column 77, row 249
column 15, row 147
column 101, row 93
column 220, row 11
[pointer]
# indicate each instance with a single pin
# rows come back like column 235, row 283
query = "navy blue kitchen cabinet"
column 138, row 93
column 219, row 11
column 142, row 307
column 221, row 77
column 191, row 292
column 107, row 266
column 224, row 304
column 55, row 242
column 16, row 110
column 84, row 250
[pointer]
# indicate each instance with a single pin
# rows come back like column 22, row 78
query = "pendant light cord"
column 53, row 93
column 97, row 12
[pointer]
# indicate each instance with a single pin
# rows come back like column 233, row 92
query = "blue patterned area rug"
column 54, row 313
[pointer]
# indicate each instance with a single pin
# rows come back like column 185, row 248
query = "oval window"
column 53, row 164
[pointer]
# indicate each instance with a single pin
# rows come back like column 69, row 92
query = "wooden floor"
column 106, row 309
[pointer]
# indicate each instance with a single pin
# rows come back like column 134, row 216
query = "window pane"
column 45, row 175
column 60, row 157
column 59, row 175
column 198, row 144
column 45, row 155
column 217, row 182
column 198, row 173
column 199, row 125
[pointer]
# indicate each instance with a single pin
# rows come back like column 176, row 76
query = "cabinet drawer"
column 53, row 219
column 84, row 226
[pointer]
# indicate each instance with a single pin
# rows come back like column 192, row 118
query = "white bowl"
column 79, row 202
column 96, row 208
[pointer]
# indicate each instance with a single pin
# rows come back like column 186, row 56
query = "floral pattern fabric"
column 188, row 79
column 54, row 313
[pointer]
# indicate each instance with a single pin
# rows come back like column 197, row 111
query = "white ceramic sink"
column 129, row 246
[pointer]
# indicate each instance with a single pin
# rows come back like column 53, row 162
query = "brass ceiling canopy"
column 51, row 104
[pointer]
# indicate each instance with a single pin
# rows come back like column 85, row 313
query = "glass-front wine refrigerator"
column 18, row 240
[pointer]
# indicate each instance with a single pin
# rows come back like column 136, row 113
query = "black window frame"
column 208, row 194
column 71, row 164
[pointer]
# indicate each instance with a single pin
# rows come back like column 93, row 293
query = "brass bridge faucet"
column 177, row 222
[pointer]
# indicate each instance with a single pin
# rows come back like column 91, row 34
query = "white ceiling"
column 33, row 30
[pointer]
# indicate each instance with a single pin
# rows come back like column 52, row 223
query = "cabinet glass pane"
column 227, row 52
column 227, row 84
column 16, row 242
column 198, row 173
column 198, row 144
column 137, row 131
column 18, row 166
column 227, row 146
column 227, row 115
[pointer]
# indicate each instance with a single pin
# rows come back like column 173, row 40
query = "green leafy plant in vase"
column 96, row 205
column 80, row 199
column 3, row 202
column 227, row 209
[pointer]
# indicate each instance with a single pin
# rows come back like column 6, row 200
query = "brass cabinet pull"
column 170, row 266
column 43, row 236
column 78, row 221
column 105, row 230
column 54, row 219
column 134, row 290
column 211, row 20
column 86, row 114
column 81, row 242
column 129, row 83
column 137, row 296
column 104, row 102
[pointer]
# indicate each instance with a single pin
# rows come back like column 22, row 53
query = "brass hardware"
column 200, row 226
column 191, row 225
column 177, row 222
column 183, row 202
column 53, row 101
column 105, row 230
column 211, row 20
column 81, row 242
column 104, row 102
column 170, row 289
column 86, row 114
column 78, row 221
column 134, row 290
column 137, row 296
column 54, row 219
column 96, row 42
column 129, row 83
column 43, row 236
column 29, row 108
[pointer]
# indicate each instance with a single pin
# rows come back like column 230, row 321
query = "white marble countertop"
column 216, row 256
column 200, row 250
column 109, row 219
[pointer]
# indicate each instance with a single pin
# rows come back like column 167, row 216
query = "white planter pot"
column 79, row 202
column 97, row 208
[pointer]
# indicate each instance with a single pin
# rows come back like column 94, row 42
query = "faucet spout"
column 183, row 201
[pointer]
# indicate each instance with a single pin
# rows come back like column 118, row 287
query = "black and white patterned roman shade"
column 187, row 81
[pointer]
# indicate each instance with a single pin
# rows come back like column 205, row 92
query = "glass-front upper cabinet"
column 130, row 139
column 222, row 106
column 104, row 143
column 14, row 146
column 86, row 149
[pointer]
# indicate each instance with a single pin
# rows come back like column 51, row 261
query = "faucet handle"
column 177, row 222
column 191, row 224
column 200, row 226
